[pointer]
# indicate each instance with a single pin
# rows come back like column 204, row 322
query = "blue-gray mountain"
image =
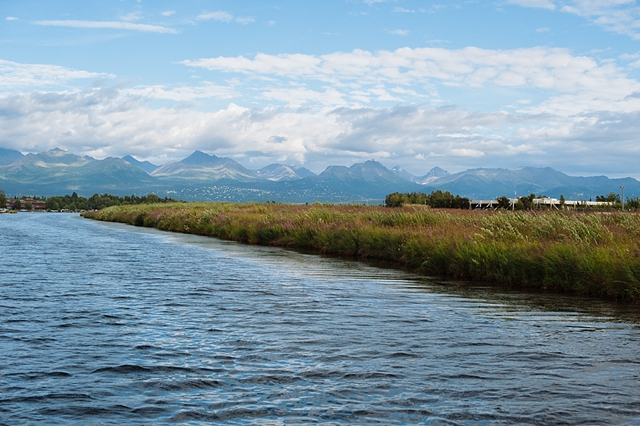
column 144, row 165
column 208, row 177
column 8, row 156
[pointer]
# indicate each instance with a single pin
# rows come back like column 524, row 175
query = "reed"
column 588, row 254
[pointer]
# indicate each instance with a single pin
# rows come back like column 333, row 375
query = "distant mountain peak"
column 57, row 152
column 434, row 174
column 372, row 163
column 278, row 172
column 8, row 156
column 303, row 172
column 438, row 171
column 199, row 158
column 404, row 174
column 144, row 165
column 200, row 166
column 370, row 171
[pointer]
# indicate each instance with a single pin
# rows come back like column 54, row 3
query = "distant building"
column 550, row 203
column 36, row 205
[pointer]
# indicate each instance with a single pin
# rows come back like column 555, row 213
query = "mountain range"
column 208, row 177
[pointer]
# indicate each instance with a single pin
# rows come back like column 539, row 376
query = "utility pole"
column 623, row 187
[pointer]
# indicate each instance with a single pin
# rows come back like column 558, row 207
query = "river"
column 112, row 324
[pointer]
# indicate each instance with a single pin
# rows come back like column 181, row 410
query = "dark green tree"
column 503, row 203
column 437, row 199
column 632, row 203
column 527, row 202
column 395, row 200
column 611, row 198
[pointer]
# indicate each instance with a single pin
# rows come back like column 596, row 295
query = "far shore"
column 589, row 254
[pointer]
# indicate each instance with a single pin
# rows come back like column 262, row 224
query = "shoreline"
column 587, row 254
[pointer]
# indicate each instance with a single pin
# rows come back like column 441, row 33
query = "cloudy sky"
column 455, row 84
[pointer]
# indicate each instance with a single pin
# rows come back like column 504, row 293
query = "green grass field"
column 596, row 254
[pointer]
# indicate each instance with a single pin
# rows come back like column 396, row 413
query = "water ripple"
column 108, row 324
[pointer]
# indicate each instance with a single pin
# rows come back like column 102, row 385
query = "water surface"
column 111, row 324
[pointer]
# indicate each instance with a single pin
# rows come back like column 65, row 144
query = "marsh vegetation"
column 595, row 254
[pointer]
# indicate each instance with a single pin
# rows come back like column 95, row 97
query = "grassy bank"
column 588, row 254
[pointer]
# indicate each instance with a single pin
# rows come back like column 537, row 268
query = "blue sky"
column 457, row 84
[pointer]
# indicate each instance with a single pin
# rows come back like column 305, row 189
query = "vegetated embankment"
column 589, row 254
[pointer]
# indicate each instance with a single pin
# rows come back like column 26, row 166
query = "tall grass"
column 591, row 254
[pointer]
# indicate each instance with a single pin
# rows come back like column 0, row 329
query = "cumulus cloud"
column 116, row 25
column 399, row 32
column 574, row 83
column 114, row 122
column 619, row 16
column 132, row 16
column 216, row 16
column 184, row 93
column 544, row 4
column 299, row 96
column 222, row 16
column 15, row 75
column 335, row 109
column 244, row 20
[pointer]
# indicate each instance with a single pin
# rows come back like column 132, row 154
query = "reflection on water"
column 109, row 324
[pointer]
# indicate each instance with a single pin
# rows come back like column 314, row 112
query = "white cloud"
column 108, row 24
column 15, row 75
column 216, row 16
column 466, row 152
column 336, row 109
column 109, row 122
column 244, row 20
column 402, row 10
column 544, row 4
column 132, row 16
column 186, row 93
column 554, row 70
column 299, row 96
column 168, row 13
column 399, row 32
column 222, row 16
column 619, row 16
column 10, row 18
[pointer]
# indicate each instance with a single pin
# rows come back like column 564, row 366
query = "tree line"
column 437, row 199
column 446, row 200
column 97, row 202
column 75, row 202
